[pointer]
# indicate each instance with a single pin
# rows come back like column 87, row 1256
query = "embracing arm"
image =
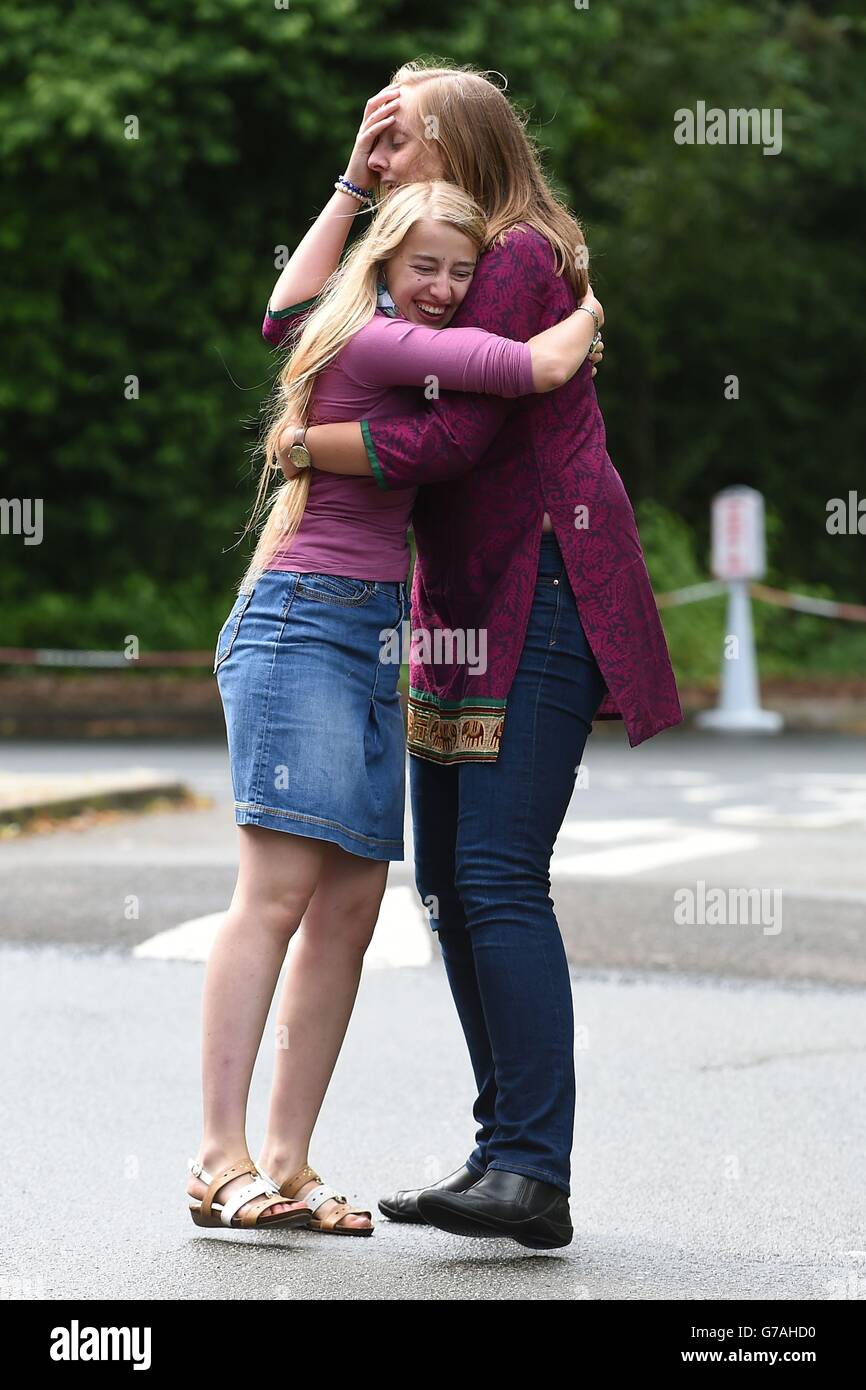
column 559, row 352
column 510, row 295
column 461, row 359
column 396, row 352
column 342, row 448
column 336, row 449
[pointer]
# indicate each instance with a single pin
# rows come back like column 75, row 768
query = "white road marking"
column 676, row 777
column 190, row 940
column 845, row 799
column 852, row 780
column 604, row 831
column 770, row 818
column 842, row 895
column 697, row 796
column 402, row 936
column 635, row 858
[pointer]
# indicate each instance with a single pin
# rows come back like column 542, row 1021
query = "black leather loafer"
column 403, row 1206
column 533, row 1213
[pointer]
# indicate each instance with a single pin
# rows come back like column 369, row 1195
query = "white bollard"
column 738, row 557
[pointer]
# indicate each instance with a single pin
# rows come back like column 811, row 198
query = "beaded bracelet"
column 359, row 197
column 367, row 192
column 344, row 185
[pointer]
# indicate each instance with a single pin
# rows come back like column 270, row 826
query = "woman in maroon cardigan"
column 526, row 540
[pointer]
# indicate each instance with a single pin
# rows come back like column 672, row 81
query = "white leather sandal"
column 262, row 1194
column 316, row 1197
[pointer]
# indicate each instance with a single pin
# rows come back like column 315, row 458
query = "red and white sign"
column 737, row 525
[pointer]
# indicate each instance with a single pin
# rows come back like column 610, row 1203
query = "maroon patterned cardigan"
column 489, row 468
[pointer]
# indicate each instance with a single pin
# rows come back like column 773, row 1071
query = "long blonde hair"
column 347, row 302
column 486, row 150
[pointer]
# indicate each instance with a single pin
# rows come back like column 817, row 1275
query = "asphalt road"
column 784, row 815
column 720, row 1126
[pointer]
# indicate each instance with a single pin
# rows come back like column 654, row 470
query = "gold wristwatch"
column 299, row 454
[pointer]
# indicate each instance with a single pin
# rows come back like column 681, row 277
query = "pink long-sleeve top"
column 351, row 526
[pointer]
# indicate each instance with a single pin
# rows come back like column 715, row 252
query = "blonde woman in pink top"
column 308, row 681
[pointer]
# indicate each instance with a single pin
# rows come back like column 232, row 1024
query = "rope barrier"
column 692, row 594
column 824, row 607
column 46, row 656
column 801, row 603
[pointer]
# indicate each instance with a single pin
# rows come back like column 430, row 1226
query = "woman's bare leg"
column 277, row 878
column 316, row 1004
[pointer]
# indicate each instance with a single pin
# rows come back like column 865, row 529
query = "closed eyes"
column 429, row 269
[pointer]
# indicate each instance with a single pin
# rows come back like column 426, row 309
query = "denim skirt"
column 307, row 667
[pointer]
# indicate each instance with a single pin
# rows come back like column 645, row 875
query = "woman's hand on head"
column 379, row 115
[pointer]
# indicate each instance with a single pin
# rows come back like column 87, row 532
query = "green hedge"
column 154, row 257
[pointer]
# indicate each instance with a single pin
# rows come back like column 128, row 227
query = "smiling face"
column 430, row 273
column 399, row 155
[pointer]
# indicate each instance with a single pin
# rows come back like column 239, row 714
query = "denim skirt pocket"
column 229, row 630
column 334, row 588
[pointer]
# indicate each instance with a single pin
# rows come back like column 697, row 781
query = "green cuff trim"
column 371, row 455
column 292, row 309
column 480, row 702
